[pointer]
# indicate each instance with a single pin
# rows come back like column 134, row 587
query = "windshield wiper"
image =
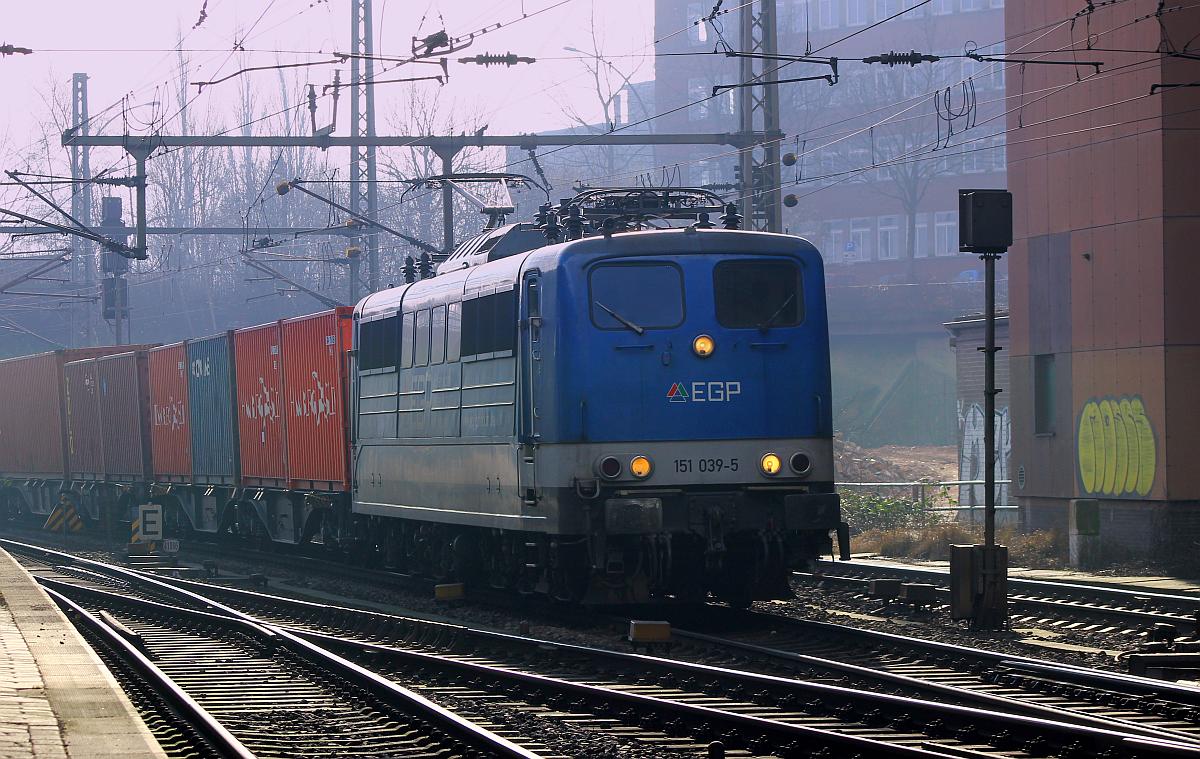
column 778, row 311
column 639, row 330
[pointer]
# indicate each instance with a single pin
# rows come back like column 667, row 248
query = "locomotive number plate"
column 686, row 466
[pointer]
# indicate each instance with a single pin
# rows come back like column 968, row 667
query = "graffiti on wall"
column 1117, row 451
column 972, row 453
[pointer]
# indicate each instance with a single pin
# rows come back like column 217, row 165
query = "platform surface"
column 57, row 699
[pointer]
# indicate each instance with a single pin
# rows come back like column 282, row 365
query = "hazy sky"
column 126, row 48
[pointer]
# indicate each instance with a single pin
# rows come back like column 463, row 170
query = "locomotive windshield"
column 636, row 297
column 760, row 294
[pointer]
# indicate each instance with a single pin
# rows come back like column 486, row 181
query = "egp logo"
column 704, row 391
column 1116, row 446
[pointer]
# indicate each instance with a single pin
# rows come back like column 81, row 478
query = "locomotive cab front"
column 692, row 424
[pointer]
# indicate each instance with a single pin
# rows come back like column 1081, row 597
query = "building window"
column 697, row 32
column 915, row 8
column 860, row 162
column 973, row 5
column 996, row 73
column 829, row 14
column 1000, row 153
column 942, row 7
column 886, row 8
column 997, row 3
column 698, row 91
column 975, row 157
column 801, row 10
column 889, row 238
column 859, row 246
column 921, row 242
column 1043, row 394
column 945, row 227
column 830, row 162
column 833, row 239
column 858, row 12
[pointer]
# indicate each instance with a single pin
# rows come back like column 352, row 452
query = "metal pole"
column 354, row 278
column 81, row 197
column 447, row 203
column 746, row 115
column 364, row 196
column 989, row 400
column 771, row 201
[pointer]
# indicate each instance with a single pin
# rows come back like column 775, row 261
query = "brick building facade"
column 1105, row 334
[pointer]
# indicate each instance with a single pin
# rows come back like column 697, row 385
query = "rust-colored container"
column 84, row 442
column 170, row 427
column 123, row 383
column 34, row 442
column 261, row 420
column 314, row 389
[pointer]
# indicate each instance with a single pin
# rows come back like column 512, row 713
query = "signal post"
column 979, row 573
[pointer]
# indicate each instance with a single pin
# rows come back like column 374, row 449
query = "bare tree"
column 612, row 86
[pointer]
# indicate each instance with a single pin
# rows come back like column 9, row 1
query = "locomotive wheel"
column 570, row 571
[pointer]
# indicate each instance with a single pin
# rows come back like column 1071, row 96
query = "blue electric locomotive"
column 602, row 411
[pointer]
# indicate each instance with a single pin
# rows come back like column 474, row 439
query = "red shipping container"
column 33, row 420
column 261, row 423
column 124, row 393
column 84, row 442
column 314, row 386
column 170, row 428
column 32, row 440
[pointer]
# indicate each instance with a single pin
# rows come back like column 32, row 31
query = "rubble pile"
column 854, row 463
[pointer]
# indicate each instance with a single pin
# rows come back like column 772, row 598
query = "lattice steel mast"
column 758, row 115
column 364, row 196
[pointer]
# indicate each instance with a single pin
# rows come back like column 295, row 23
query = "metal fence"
column 938, row 496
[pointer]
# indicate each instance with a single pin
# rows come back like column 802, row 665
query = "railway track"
column 264, row 692
column 676, row 699
column 1041, row 602
column 819, row 647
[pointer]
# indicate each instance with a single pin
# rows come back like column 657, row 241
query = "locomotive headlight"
column 610, row 467
column 770, row 464
column 801, row 463
column 703, row 346
column 640, row 467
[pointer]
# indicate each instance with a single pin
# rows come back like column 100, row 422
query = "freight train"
column 584, row 406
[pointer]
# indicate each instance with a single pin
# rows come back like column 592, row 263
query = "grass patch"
column 904, row 528
column 1038, row 549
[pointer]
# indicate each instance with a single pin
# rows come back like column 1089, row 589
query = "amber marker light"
column 770, row 464
column 703, row 346
column 640, row 467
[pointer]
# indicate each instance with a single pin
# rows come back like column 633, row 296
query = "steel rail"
column 1019, row 601
column 369, row 619
column 1050, row 586
column 318, row 644
column 1046, row 720
column 198, row 717
column 386, row 691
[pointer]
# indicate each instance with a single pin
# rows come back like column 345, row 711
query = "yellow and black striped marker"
column 64, row 513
